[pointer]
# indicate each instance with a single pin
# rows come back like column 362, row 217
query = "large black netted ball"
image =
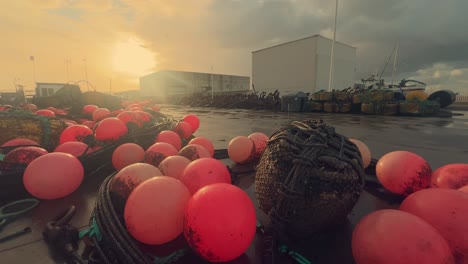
column 309, row 178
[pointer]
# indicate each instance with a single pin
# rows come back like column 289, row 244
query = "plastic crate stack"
column 376, row 102
column 331, row 102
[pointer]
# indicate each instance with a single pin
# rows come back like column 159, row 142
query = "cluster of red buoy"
column 430, row 225
column 174, row 187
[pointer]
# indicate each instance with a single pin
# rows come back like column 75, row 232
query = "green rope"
column 293, row 254
column 172, row 258
column 92, row 231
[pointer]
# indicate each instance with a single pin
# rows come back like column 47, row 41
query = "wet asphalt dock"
column 439, row 140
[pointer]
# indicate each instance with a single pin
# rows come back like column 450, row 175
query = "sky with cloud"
column 119, row 40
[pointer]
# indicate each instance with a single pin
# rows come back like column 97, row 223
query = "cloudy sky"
column 119, row 40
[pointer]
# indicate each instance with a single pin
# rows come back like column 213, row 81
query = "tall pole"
column 394, row 61
column 34, row 67
column 86, row 73
column 330, row 80
column 211, row 84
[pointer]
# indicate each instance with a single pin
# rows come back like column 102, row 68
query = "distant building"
column 48, row 89
column 165, row 84
column 303, row 65
column 130, row 94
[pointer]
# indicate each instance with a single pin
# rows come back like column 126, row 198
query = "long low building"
column 168, row 83
column 303, row 65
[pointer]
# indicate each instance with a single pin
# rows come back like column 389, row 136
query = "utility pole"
column 68, row 61
column 86, row 74
column 330, row 80
column 34, row 67
column 211, row 84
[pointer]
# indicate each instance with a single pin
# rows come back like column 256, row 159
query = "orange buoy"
column 402, row 238
column 193, row 152
column 241, row 149
column 260, row 142
column 193, row 121
column 75, row 133
column 170, row 137
column 100, row 114
column 158, row 152
column 127, row 154
column 364, row 150
column 74, row 148
column 45, row 112
column 183, row 129
column 220, row 222
column 204, row 142
column 128, row 178
column 53, row 175
column 24, row 155
column 447, row 211
column 110, row 129
column 203, row 172
column 174, row 166
column 403, row 172
column 154, row 212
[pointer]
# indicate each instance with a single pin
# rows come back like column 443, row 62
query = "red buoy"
column 75, row 133
column 20, row 142
column 130, row 117
column 110, row 129
column 403, row 172
column 450, row 176
column 170, row 137
column 260, row 142
column 183, row 129
column 74, row 148
column 204, row 142
column 392, row 236
column 203, row 172
column 53, row 175
column 220, row 222
column 194, row 151
column 241, row 149
column 154, row 212
column 45, row 112
column 100, row 114
column 89, row 124
column 364, row 150
column 89, row 109
column 24, row 155
column 193, row 121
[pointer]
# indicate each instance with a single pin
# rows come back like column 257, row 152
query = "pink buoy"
column 127, row 154
column 241, row 149
column 174, row 166
column 260, row 142
column 204, row 142
column 220, row 222
column 364, row 150
column 193, row 152
column 154, row 212
column 53, row 175
column 203, row 172
column 158, row 152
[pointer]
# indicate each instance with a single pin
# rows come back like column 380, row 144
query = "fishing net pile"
column 308, row 179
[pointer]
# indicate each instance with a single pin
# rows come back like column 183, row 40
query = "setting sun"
column 130, row 57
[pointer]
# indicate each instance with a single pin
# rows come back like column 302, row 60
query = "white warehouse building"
column 303, row 65
column 168, row 83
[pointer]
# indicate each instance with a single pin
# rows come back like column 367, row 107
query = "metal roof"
column 314, row 36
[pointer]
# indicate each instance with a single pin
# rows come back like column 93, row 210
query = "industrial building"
column 168, row 83
column 303, row 65
column 48, row 89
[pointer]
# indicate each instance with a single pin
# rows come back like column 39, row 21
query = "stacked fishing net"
column 308, row 179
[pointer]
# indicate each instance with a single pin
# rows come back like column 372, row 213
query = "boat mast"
column 395, row 60
column 330, row 80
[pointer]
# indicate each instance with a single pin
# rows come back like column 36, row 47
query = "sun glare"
column 132, row 58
